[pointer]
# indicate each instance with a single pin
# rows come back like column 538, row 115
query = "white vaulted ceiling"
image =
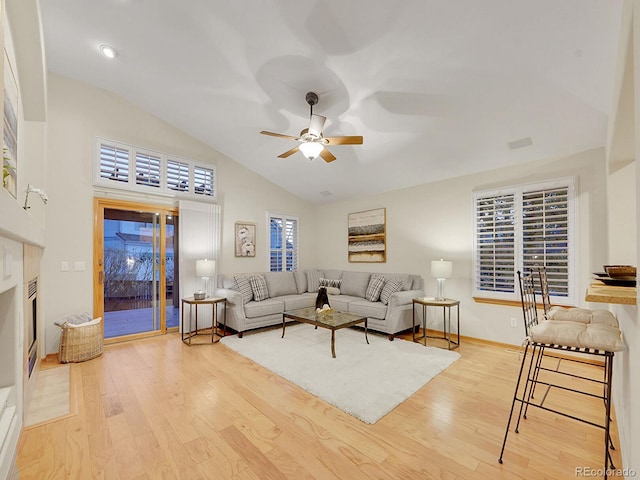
column 438, row 88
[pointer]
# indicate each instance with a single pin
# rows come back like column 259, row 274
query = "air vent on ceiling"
column 521, row 143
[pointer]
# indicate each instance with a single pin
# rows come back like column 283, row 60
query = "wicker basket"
column 80, row 343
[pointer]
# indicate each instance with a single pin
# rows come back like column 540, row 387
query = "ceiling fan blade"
column 353, row 140
column 327, row 156
column 289, row 152
column 316, row 125
column 289, row 137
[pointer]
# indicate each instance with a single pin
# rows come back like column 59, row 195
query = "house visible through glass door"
column 138, row 281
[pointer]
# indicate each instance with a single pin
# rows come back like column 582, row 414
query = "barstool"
column 573, row 314
column 594, row 339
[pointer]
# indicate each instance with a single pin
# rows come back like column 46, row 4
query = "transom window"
column 521, row 228
column 283, row 243
column 137, row 169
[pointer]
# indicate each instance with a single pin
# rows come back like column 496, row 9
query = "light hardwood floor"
column 157, row 408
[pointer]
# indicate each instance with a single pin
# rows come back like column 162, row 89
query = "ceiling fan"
column 312, row 142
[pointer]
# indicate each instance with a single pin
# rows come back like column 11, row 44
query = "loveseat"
column 257, row 300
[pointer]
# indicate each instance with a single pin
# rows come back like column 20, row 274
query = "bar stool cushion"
column 592, row 336
column 582, row 315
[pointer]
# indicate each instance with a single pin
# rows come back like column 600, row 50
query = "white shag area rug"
column 365, row 381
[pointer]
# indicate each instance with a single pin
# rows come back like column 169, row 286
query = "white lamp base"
column 440, row 295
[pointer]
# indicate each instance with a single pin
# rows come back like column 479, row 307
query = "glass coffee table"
column 332, row 321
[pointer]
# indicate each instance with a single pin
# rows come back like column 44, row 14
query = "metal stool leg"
column 528, row 386
column 513, row 402
column 608, row 462
column 536, row 373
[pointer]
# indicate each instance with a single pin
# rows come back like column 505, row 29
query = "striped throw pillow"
column 259, row 288
column 242, row 285
column 330, row 282
column 392, row 285
column 313, row 280
column 376, row 283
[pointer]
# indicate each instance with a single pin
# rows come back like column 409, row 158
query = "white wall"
column 78, row 113
column 623, row 249
column 621, row 185
column 17, row 226
column 435, row 220
column 624, row 229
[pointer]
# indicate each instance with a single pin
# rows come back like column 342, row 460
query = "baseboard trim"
column 49, row 360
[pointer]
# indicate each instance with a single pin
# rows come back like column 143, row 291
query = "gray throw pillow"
column 242, row 285
column 375, row 288
column 313, row 280
column 259, row 288
column 392, row 285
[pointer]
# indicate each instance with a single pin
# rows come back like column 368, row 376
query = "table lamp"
column 204, row 269
column 441, row 269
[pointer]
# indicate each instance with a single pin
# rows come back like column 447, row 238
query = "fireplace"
column 32, row 324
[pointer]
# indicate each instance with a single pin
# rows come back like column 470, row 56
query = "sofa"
column 258, row 299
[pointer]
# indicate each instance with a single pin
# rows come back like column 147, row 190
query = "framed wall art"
column 245, row 243
column 367, row 236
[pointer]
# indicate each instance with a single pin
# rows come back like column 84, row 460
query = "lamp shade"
column 205, row 268
column 441, row 268
column 311, row 149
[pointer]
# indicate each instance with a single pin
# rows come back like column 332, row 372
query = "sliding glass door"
column 136, row 282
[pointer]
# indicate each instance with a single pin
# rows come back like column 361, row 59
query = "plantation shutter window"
column 283, row 243
column 114, row 163
column 137, row 169
column 291, row 244
column 147, row 170
column 203, row 181
column 275, row 248
column 177, row 175
column 545, row 237
column 521, row 228
column 495, row 242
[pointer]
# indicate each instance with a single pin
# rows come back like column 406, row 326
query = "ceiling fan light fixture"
column 311, row 150
column 311, row 140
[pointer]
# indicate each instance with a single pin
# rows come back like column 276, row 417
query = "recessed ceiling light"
column 108, row 51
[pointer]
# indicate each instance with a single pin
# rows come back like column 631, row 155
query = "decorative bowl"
column 199, row 295
column 620, row 270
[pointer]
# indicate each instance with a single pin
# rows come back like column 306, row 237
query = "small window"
column 177, row 175
column 147, row 170
column 203, row 181
column 114, row 163
column 283, row 243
